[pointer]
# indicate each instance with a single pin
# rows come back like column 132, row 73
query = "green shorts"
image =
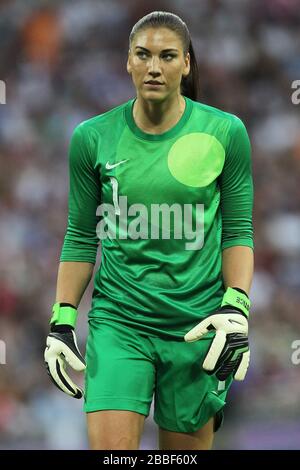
column 126, row 368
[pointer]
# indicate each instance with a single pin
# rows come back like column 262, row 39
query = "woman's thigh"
column 198, row 440
column 115, row 429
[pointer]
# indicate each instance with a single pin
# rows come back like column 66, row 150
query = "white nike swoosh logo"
column 109, row 167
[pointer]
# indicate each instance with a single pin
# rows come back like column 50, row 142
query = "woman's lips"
column 154, row 85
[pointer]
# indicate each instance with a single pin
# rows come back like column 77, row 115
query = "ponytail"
column 190, row 84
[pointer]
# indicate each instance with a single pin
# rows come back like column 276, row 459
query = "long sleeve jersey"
column 162, row 207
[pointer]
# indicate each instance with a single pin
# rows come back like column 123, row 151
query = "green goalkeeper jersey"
column 162, row 207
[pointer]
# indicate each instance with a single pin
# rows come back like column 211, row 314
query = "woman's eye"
column 141, row 55
column 168, row 56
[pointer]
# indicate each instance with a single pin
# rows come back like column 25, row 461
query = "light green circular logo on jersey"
column 196, row 159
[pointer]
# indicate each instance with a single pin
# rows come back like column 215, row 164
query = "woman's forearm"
column 72, row 281
column 237, row 267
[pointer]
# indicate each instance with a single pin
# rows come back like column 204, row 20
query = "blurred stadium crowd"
column 65, row 61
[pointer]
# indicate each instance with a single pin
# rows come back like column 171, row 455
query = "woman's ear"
column 128, row 66
column 187, row 67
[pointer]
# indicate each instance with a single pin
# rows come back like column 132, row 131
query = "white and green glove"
column 62, row 349
column 229, row 351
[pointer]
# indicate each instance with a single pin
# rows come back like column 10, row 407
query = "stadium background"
column 63, row 62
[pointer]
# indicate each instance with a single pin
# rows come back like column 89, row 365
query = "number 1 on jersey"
column 115, row 184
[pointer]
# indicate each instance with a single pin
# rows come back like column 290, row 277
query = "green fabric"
column 173, row 132
column 200, row 168
column 63, row 315
column 126, row 368
column 237, row 299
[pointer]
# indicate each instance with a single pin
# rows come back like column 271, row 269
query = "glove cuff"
column 64, row 314
column 238, row 299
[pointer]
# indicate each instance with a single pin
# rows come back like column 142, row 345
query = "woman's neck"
column 157, row 118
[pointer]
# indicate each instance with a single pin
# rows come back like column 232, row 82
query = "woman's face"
column 157, row 54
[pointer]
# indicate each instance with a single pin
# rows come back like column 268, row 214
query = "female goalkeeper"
column 164, row 182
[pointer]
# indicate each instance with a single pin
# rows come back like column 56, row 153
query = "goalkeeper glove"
column 62, row 348
column 229, row 351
